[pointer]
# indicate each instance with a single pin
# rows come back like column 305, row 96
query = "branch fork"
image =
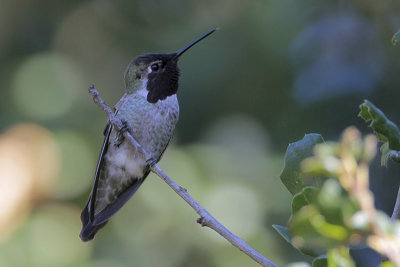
column 206, row 219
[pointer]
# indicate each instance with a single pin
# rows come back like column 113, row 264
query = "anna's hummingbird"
column 149, row 109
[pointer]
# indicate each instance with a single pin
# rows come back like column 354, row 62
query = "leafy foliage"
column 292, row 176
column 283, row 231
column 320, row 261
column 332, row 207
column 304, row 198
column 387, row 264
column 339, row 257
column 386, row 130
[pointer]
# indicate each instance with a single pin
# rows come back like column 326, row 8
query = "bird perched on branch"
column 150, row 110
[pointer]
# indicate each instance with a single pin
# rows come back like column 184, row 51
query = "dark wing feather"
column 91, row 222
column 92, row 199
column 112, row 208
column 165, row 148
column 88, row 228
column 104, row 215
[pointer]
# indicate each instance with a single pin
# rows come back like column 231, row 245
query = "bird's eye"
column 154, row 67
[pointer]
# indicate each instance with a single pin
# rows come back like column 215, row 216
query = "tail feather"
column 89, row 229
column 100, row 219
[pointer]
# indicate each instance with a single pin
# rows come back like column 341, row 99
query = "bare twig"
column 395, row 156
column 396, row 210
column 206, row 219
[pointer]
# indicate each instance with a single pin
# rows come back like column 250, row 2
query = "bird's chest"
column 152, row 125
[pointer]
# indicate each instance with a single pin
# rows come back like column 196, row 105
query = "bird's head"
column 156, row 74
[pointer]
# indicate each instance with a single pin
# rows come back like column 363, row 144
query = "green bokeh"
column 238, row 114
column 76, row 175
column 46, row 86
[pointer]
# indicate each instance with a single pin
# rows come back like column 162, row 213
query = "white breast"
column 125, row 162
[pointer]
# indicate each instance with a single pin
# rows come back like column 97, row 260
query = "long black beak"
column 183, row 50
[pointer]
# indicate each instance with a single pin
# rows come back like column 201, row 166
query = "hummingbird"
column 149, row 110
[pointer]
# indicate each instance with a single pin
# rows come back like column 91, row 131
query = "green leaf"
column 387, row 264
column 283, row 231
column 385, row 151
column 292, row 176
column 386, row 130
column 396, row 38
column 321, row 261
column 312, row 235
column 340, row 257
column 305, row 197
column 334, row 203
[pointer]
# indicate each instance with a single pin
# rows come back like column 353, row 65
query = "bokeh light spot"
column 15, row 184
column 46, row 85
column 77, row 166
column 29, row 161
column 44, row 154
column 183, row 168
column 236, row 207
column 52, row 237
column 240, row 134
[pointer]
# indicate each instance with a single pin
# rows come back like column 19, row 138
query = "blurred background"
column 276, row 69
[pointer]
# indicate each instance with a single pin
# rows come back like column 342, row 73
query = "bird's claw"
column 122, row 130
column 151, row 162
column 124, row 127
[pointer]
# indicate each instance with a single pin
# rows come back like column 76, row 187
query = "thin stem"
column 395, row 156
column 206, row 219
column 396, row 210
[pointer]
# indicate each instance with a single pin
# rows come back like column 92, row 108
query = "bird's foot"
column 120, row 135
column 151, row 162
column 125, row 127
